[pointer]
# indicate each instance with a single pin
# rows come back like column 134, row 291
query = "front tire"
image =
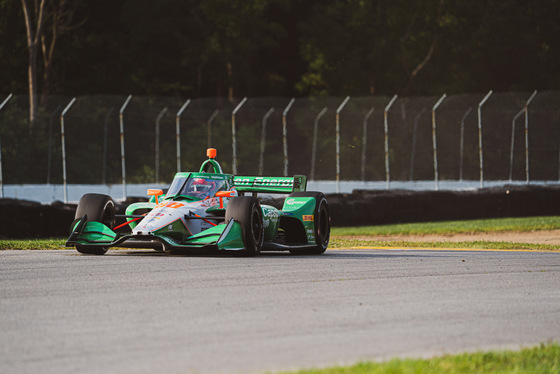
column 322, row 224
column 97, row 208
column 247, row 211
column 91, row 250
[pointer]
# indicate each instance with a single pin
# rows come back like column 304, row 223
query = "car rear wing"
column 270, row 184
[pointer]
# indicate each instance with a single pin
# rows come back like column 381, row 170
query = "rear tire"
column 322, row 223
column 97, row 208
column 247, row 211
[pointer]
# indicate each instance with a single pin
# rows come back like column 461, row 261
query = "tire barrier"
column 25, row 219
column 22, row 219
column 363, row 208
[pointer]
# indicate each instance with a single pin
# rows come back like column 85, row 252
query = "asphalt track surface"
column 145, row 312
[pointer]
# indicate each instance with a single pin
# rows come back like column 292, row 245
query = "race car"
column 208, row 211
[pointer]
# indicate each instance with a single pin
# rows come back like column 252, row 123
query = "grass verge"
column 340, row 236
column 544, row 358
column 372, row 236
column 523, row 224
column 54, row 243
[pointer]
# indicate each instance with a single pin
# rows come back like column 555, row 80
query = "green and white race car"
column 208, row 211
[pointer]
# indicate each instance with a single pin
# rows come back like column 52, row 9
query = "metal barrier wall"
column 478, row 137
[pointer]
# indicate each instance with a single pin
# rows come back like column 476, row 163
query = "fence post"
column 5, row 101
column 285, row 135
column 158, row 119
column 1, row 178
column 480, row 154
column 338, row 143
column 123, row 160
column 234, row 136
column 527, row 136
column 462, row 142
column 314, row 148
column 512, row 143
column 386, row 128
column 178, row 133
column 209, row 126
column 263, row 139
column 364, row 142
column 64, row 148
column 434, row 140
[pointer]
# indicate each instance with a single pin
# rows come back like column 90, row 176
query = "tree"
column 236, row 32
column 34, row 17
column 412, row 73
column 368, row 46
column 58, row 21
column 45, row 21
column 240, row 48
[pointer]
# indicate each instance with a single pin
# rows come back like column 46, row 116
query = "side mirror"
column 222, row 194
column 155, row 193
column 225, row 194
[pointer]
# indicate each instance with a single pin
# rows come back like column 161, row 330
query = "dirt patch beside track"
column 551, row 237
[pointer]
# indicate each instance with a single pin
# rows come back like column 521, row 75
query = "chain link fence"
column 519, row 138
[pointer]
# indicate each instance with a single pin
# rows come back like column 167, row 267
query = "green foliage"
column 22, row 138
column 54, row 243
column 288, row 47
column 13, row 49
column 544, row 359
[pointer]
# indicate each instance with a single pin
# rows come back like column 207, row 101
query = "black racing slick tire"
column 91, row 250
column 247, row 211
column 322, row 223
column 97, row 208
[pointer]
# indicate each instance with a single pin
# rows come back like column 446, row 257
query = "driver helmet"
column 201, row 185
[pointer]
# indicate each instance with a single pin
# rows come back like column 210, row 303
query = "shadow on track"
column 328, row 255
